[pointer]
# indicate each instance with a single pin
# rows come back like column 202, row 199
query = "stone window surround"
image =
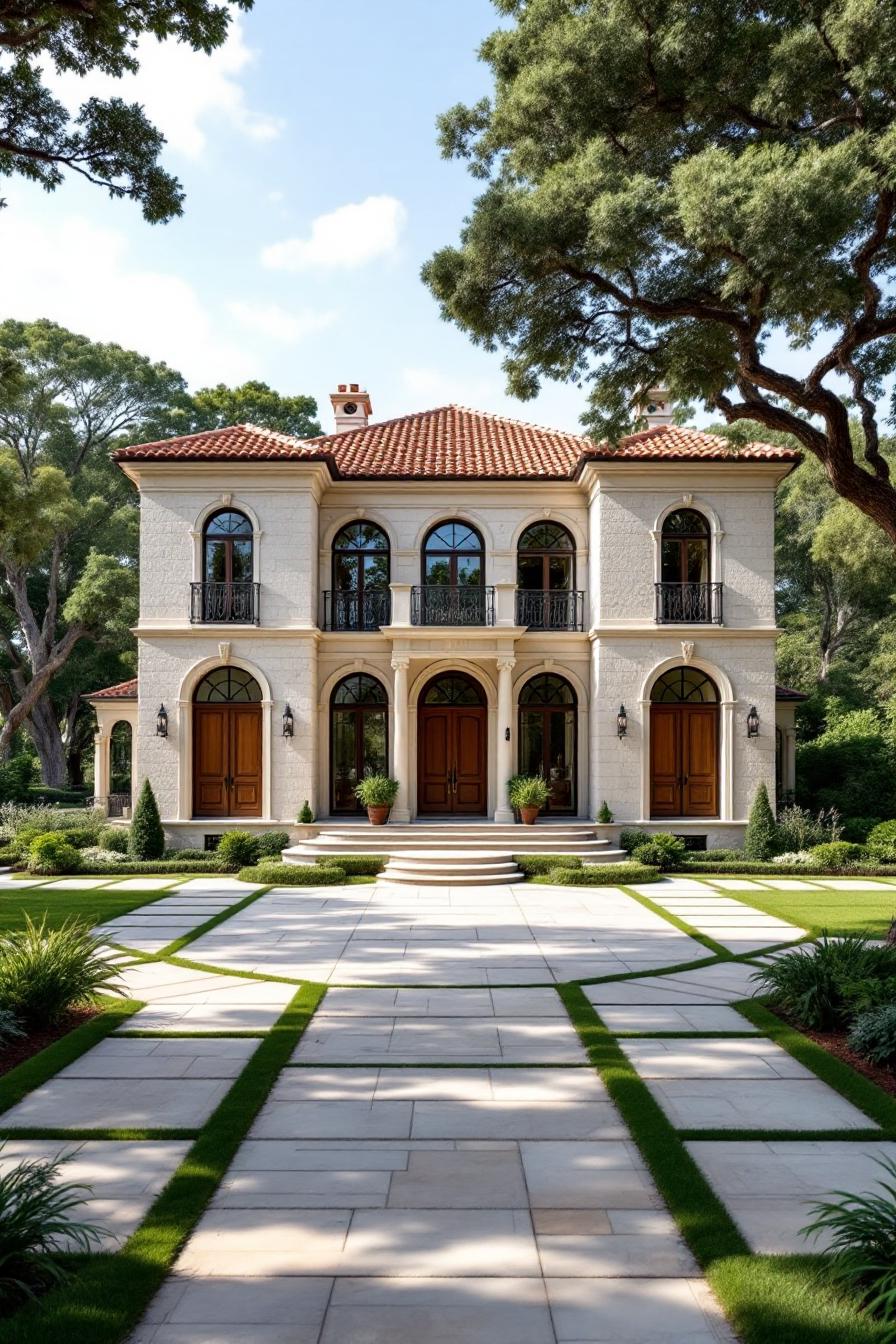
column 716, row 534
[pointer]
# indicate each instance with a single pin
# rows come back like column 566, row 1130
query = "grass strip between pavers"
column 33, row 1072
column 81, row 1135
column 878, row 1105
column 768, row 1299
column 108, row 1293
column 681, row 924
column 171, row 949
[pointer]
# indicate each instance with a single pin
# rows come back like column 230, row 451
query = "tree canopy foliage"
column 109, row 141
column 666, row 185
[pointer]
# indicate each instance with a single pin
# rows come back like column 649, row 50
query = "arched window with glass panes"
column 547, row 737
column 546, row 579
column 687, row 591
column 453, row 589
column 359, row 737
column 360, row 597
column 227, row 590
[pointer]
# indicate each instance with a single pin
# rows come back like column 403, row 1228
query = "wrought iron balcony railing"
column 688, row 603
column 546, row 609
column 222, row 602
column 356, row 611
column 437, row 604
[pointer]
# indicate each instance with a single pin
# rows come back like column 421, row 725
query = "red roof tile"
column 125, row 690
column 449, row 443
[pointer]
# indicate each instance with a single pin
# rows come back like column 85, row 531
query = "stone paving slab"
column 725, row 983
column 123, row 1177
column 669, row 1017
column 759, row 1058
column 769, row 1188
column 433, row 1040
column 133, row 1057
column 760, row 1103
column 532, row 1002
column 145, row 1103
column 636, row 1311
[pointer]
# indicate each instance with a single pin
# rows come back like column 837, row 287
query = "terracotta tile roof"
column 450, row 443
column 125, row 690
column 785, row 693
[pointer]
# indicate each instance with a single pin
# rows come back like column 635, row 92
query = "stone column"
column 400, row 810
column 504, row 734
column 101, row 770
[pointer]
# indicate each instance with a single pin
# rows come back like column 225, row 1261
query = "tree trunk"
column 43, row 728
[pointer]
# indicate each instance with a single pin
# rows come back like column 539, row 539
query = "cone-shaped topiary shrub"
column 761, row 835
column 146, row 839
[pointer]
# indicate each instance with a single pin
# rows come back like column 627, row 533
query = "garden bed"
column 25, row 1047
column 834, row 1042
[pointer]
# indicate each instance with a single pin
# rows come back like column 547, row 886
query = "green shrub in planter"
column 37, row 1221
column 873, row 1035
column 533, row 864
column 599, row 875
column 662, row 851
column 272, row 844
column 44, row 972
column 293, row 875
column 306, row 816
column 146, row 839
column 50, row 855
column 114, row 838
column 604, row 815
column 377, row 791
column 836, row 854
column 761, row 836
column 630, row 837
column 354, row 865
column 238, row 849
column 528, row 791
column 881, row 842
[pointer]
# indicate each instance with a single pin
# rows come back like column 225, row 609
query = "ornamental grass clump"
column 36, row 1226
column 821, row 985
column 45, row 972
column 861, row 1235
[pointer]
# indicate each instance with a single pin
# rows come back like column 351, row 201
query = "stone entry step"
column 441, row 867
column 483, row 838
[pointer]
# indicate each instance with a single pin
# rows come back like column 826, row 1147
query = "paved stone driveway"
column 438, row 1164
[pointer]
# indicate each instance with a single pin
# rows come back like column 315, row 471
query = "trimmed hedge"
column 294, row 875
column 138, row 867
column 753, row 869
column 535, row 864
column 599, row 875
column 353, row 865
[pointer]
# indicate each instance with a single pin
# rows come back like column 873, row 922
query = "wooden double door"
column 227, row 760
column 451, row 774
column 684, row 760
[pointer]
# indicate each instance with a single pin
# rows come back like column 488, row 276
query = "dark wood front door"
column 451, row 776
column 227, row 760
column 684, row 754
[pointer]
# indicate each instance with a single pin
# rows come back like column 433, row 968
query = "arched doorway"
column 548, row 737
column 452, row 727
column 120, row 757
column 684, row 745
column 227, row 753
column 359, row 743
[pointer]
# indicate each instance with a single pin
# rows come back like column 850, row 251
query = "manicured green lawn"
column 837, row 911
column 95, row 904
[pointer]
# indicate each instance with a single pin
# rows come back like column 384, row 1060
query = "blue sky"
column 312, row 107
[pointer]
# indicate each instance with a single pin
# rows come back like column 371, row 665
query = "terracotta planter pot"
column 378, row 816
column 529, row 814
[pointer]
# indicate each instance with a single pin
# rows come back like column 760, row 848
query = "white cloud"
column 180, row 89
column 83, row 276
column 269, row 319
column 344, row 238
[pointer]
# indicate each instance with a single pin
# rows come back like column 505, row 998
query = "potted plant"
column 528, row 794
column 377, row 793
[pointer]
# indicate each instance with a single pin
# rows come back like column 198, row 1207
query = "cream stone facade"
column 615, row 636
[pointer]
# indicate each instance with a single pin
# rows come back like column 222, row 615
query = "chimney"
column 656, row 408
column 351, row 407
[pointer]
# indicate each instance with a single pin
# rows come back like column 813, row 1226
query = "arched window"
column 547, row 746
column 360, row 578
column 359, row 737
column 227, row 591
column 685, row 591
column 227, row 685
column 120, row 740
column 453, row 591
column 684, row 685
column 456, row 688
column 545, row 578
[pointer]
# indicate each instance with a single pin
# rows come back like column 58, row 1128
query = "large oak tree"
column 668, row 185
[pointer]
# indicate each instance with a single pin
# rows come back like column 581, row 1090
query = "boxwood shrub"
column 354, row 865
column 630, row 837
column 753, row 868
column 205, row 863
column 836, row 854
column 294, row 875
column 533, row 864
column 599, row 875
column 272, row 844
column 51, row 855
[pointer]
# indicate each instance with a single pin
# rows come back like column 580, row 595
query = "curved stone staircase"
column 455, row 853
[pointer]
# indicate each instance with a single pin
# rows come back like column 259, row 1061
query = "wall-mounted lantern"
column 506, row 734
column 288, row 722
column 621, row 722
column 753, row 722
column 162, row 722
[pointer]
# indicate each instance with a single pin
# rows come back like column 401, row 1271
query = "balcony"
column 439, row 604
column 547, row 609
column 224, row 603
column 356, row 611
column 688, row 603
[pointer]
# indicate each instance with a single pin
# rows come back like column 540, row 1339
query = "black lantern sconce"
column 621, row 722
column 753, row 722
column 162, row 722
column 506, row 734
column 288, row 722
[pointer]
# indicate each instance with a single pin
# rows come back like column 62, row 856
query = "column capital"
column 506, row 664
column 400, row 664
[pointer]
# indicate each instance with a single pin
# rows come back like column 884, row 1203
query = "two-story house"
column 452, row 597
